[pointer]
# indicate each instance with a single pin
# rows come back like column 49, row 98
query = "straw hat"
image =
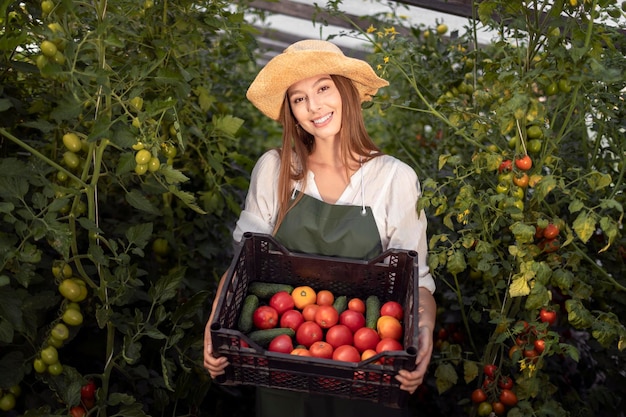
column 305, row 59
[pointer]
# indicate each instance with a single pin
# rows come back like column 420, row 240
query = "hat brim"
column 267, row 91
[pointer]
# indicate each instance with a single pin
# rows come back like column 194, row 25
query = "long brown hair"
column 355, row 144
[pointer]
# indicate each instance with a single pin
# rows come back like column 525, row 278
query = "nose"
column 314, row 104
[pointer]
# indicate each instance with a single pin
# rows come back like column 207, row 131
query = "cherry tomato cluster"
column 496, row 394
column 87, row 400
column 53, row 46
column 512, row 182
column 548, row 238
column 8, row 397
column 530, row 342
column 447, row 334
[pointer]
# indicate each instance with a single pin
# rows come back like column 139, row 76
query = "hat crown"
column 313, row 45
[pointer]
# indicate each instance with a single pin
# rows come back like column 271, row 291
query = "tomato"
column 484, row 408
column 55, row 369
column 502, row 188
column 7, row 402
column 393, row 309
column 281, row 343
column 321, row 349
column 160, row 246
column 154, row 164
column 505, row 166
column 265, row 317
column 534, row 132
column 564, row 85
column 142, row 157
column 552, row 89
column 60, row 331
column 388, row 345
column 550, row 245
column 508, row 397
column 505, row 382
column 48, row 48
column 368, row 353
column 78, row 411
column 69, row 289
column 308, row 312
column 490, row 370
column 346, row 353
column 366, row 338
column 291, row 319
column 49, row 355
column 71, row 159
column 39, row 366
column 389, row 327
column 326, row 316
column 47, row 6
column 303, row 296
column 72, row 142
column 308, row 333
column 72, row 317
column 352, row 319
column 356, row 304
column 325, row 298
column 169, row 150
column 281, row 302
column 534, row 146
column 540, row 345
column 547, row 316
column 524, row 163
column 88, row 390
column 551, row 231
column 521, row 180
column 498, row 408
column 53, row 341
column 339, row 335
column 301, row 352
column 136, row 103
column 478, row 396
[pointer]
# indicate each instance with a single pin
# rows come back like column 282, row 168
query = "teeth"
column 323, row 119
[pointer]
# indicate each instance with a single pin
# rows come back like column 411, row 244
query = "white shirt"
column 390, row 187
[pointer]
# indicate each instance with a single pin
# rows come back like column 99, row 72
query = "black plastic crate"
column 391, row 277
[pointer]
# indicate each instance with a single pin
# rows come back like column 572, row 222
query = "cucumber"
column 250, row 303
column 341, row 303
column 372, row 311
column 265, row 290
column 264, row 337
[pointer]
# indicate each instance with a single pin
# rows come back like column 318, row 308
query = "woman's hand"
column 411, row 380
column 214, row 365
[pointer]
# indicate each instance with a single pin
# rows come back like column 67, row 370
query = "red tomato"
column 308, row 333
column 291, row 319
column 339, row 335
column 393, row 309
column 346, row 353
column 366, row 338
column 505, row 382
column 478, row 395
column 388, row 344
column 282, row 301
column 356, row 304
column 551, row 231
column 78, row 411
column 498, row 408
column 508, row 397
column 540, row 345
column 547, row 316
column 490, row 370
column 265, row 317
column 506, row 166
column 352, row 319
column 326, row 316
column 88, row 390
column 321, row 349
column 524, row 163
column 282, row 344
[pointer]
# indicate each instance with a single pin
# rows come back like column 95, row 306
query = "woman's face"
column 316, row 105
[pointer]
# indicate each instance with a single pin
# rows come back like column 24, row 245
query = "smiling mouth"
column 322, row 119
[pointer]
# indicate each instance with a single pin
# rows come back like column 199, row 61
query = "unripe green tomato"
column 49, row 355
column 69, row 289
column 41, row 61
column 55, row 369
column 61, row 270
column 16, row 390
column 169, row 150
column 53, row 341
column 72, row 305
column 47, row 6
column 59, row 58
column 71, row 159
column 55, row 27
column 141, row 169
column 143, row 156
column 72, row 142
column 7, row 402
column 484, row 408
column 72, row 317
column 160, row 246
column 61, row 176
column 48, row 48
column 154, row 164
column 60, row 331
column 39, row 366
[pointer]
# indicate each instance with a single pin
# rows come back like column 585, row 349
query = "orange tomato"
column 326, row 316
column 303, row 296
column 368, row 353
column 389, row 327
column 308, row 312
column 325, row 298
column 356, row 304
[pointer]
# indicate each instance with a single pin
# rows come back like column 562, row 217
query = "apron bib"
column 315, row 227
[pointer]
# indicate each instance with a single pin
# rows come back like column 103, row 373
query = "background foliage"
column 147, row 241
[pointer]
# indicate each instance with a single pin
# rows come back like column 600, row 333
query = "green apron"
column 315, row 227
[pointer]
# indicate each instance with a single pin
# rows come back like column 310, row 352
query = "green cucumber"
column 341, row 303
column 265, row 290
column 372, row 311
column 264, row 337
column 250, row 303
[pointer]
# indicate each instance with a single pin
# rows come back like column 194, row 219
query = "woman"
column 330, row 191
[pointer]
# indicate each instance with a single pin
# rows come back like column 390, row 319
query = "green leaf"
column 5, row 104
column 140, row 234
column 136, row 199
column 191, row 307
column 598, row 180
column 545, row 186
column 228, row 124
column 470, row 371
column 519, row 286
column 11, row 368
column 172, row 176
column 576, row 205
column 166, row 287
column 445, row 377
column 456, row 263
column 523, row 232
column 187, row 198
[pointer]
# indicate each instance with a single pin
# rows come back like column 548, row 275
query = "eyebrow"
column 290, row 93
